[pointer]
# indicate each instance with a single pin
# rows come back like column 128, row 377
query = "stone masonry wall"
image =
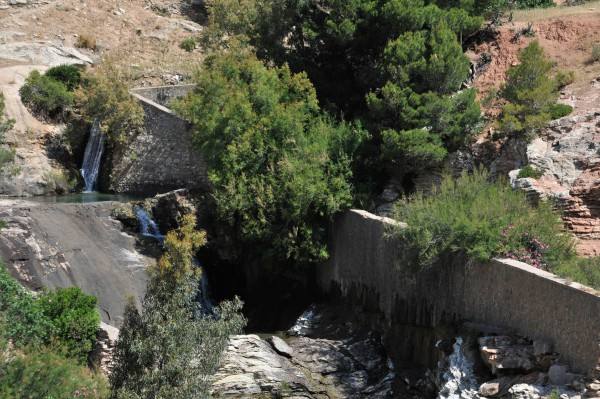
column 367, row 267
column 161, row 158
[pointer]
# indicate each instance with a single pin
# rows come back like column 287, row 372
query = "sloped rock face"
column 568, row 155
column 63, row 245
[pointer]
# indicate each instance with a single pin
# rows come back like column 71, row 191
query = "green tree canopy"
column 394, row 64
column 280, row 168
column 531, row 92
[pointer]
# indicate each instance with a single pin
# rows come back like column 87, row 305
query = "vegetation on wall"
column 483, row 219
column 279, row 167
column 531, row 93
column 173, row 347
column 104, row 96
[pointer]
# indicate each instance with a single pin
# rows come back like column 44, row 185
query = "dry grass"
column 537, row 14
column 86, row 41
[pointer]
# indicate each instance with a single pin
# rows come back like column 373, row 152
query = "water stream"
column 459, row 379
column 92, row 157
column 148, row 227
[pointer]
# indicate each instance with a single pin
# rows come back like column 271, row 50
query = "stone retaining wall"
column 162, row 157
column 367, row 267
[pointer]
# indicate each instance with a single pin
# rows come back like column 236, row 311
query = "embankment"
column 162, row 157
column 368, row 267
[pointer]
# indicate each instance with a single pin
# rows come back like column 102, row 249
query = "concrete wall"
column 369, row 267
column 162, row 157
column 163, row 95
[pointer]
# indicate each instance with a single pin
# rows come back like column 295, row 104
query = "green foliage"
column 483, row 219
column 42, row 374
column 74, row 319
column 534, row 3
column 531, row 94
column 583, row 270
column 529, row 171
column 396, row 64
column 559, row 110
column 69, row 75
column 104, row 96
column 171, row 349
column 25, row 323
column 46, row 96
column 188, row 44
column 280, row 168
column 6, row 155
column 65, row 318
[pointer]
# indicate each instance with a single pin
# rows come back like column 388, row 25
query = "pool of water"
column 82, row 198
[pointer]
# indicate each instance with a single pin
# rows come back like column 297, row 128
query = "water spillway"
column 148, row 226
column 92, row 157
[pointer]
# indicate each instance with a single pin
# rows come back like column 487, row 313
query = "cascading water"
column 148, row 227
column 206, row 305
column 459, row 379
column 92, row 157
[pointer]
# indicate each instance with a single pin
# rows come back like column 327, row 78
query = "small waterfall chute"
column 206, row 305
column 459, row 380
column 148, row 227
column 92, row 157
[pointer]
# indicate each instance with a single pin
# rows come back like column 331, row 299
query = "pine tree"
column 531, row 93
column 171, row 349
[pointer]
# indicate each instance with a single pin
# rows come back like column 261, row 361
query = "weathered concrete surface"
column 163, row 95
column 162, row 157
column 62, row 245
column 367, row 266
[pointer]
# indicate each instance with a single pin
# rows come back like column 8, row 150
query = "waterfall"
column 206, row 305
column 92, row 157
column 148, row 227
column 459, row 380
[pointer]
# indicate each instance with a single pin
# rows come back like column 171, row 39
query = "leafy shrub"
column 560, row 110
column 583, row 270
column 563, row 78
column 45, row 95
column 188, row 44
column 86, row 41
column 69, row 75
column 483, row 219
column 280, row 168
column 66, row 318
column 534, row 3
column 42, row 374
column 595, row 57
column 74, row 318
column 104, row 96
column 529, row 171
column 25, row 324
